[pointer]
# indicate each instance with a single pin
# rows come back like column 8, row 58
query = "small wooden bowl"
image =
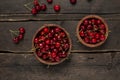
column 49, row 62
column 88, row 44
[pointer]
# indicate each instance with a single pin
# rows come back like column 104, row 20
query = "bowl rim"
column 81, row 40
column 68, row 52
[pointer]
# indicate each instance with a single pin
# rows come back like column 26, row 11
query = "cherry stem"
column 14, row 32
column 26, row 5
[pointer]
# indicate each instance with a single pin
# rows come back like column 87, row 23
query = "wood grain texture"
column 79, row 67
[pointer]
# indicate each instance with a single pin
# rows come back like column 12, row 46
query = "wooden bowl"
column 82, row 22
column 49, row 62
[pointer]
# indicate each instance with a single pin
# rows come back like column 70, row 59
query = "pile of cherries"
column 37, row 7
column 92, row 30
column 51, row 44
column 18, row 35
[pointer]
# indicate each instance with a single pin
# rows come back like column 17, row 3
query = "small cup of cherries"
column 51, row 44
column 92, row 31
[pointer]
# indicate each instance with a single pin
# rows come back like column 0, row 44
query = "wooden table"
column 18, row 63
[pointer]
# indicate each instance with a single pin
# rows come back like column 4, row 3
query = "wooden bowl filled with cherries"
column 92, row 31
column 51, row 44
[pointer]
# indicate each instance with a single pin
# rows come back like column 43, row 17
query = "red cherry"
column 57, row 58
column 102, row 37
column 57, row 30
column 35, row 2
column 53, row 54
column 92, row 34
column 21, row 30
column 43, row 7
column 40, row 45
column 98, row 21
column 97, row 36
column 34, row 11
column 44, row 56
column 66, row 46
column 62, row 34
column 47, row 47
column 49, row 1
column 94, row 40
column 41, row 38
column 93, row 21
column 86, row 39
column 38, row 7
column 89, row 27
column 20, row 36
column 85, row 22
column 57, row 8
column 47, row 41
column 36, row 40
column 57, row 45
column 81, row 33
column 38, row 52
column 83, row 28
column 73, row 1
column 64, row 54
column 16, row 40
column 46, row 30
column 102, row 26
column 102, row 31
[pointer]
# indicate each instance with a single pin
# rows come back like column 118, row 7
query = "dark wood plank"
column 80, row 67
column 112, row 43
column 82, row 6
column 75, row 59
column 52, row 17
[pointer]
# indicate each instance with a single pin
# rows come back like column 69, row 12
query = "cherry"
column 57, row 45
column 20, row 36
column 89, row 27
column 86, row 39
column 53, row 54
column 40, row 45
column 102, row 37
column 35, row 2
column 44, row 56
column 97, row 36
column 39, row 53
column 57, row 58
column 64, row 54
column 21, row 30
column 16, row 40
column 43, row 7
column 57, row 8
column 83, row 28
column 38, row 7
column 36, row 40
column 73, row 1
column 49, row 1
column 85, row 22
column 57, row 30
column 94, row 40
column 47, row 41
column 34, row 11
column 102, row 26
column 98, row 21
column 62, row 34
column 93, row 21
column 81, row 34
column 46, row 30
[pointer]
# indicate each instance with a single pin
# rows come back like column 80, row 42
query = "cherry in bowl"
column 92, row 31
column 51, row 44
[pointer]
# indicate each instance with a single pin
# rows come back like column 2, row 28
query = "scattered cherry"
column 57, row 8
column 73, row 1
column 43, row 7
column 18, row 35
column 49, row 1
column 34, row 11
